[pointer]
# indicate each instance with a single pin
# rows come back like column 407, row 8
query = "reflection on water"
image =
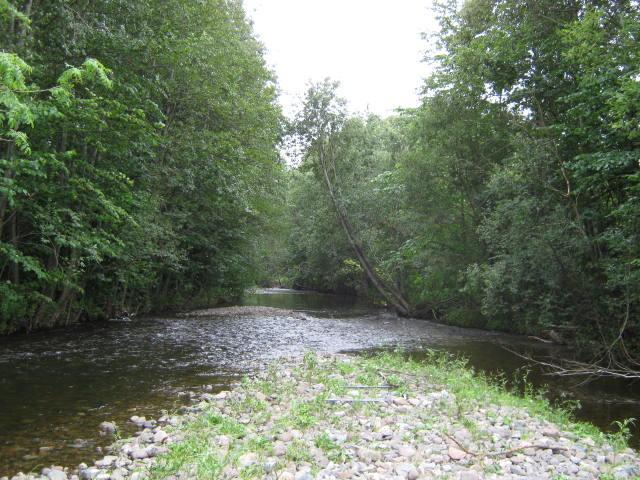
column 56, row 387
column 312, row 303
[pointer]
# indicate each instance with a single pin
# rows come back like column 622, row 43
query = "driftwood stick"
column 357, row 400
column 513, row 450
column 502, row 452
column 543, row 340
column 462, row 447
column 397, row 372
column 370, row 386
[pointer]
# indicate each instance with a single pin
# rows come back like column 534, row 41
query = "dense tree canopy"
column 510, row 198
column 140, row 168
column 136, row 138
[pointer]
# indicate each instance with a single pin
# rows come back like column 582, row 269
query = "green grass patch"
column 473, row 388
column 334, row 452
column 200, row 456
column 298, row 451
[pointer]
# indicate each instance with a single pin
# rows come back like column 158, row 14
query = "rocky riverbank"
column 341, row 417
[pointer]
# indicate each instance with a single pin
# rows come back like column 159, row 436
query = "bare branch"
column 590, row 370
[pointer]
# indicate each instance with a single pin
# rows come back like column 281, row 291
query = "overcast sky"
column 373, row 47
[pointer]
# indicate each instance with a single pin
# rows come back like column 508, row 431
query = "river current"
column 56, row 387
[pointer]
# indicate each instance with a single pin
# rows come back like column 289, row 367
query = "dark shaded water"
column 56, row 387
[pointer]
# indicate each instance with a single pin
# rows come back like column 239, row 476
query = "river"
column 56, row 387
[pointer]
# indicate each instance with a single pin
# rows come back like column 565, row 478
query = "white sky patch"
column 373, row 47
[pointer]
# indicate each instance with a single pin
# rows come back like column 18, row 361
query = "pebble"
column 552, row 432
column 138, row 453
column 160, row 436
column 368, row 455
column 56, row 475
column 247, row 460
column 385, row 433
column 108, row 427
column 468, row 475
column 279, row 450
column 89, row 473
column 456, row 453
column 400, row 438
column 117, row 475
column 407, row 451
column 107, row 461
column 408, row 471
column 138, row 421
column 269, row 465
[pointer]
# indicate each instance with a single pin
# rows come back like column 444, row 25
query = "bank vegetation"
column 509, row 199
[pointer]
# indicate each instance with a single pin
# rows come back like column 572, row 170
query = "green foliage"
column 139, row 185
column 200, row 453
column 510, row 198
column 619, row 439
column 139, row 168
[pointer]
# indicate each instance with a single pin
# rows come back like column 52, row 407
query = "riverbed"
column 56, row 387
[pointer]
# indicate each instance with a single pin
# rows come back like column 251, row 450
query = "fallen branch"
column 502, row 452
column 462, row 447
column 543, row 340
column 574, row 368
column 357, row 400
column 388, row 387
column 397, row 372
column 513, row 450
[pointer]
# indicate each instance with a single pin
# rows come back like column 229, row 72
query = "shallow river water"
column 56, row 387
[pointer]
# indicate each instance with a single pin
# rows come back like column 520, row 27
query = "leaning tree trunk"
column 389, row 292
